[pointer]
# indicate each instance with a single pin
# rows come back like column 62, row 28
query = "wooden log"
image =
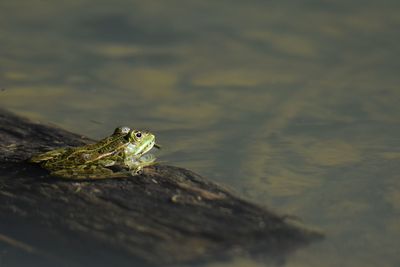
column 167, row 215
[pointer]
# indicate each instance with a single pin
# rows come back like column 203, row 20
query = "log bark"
column 167, row 215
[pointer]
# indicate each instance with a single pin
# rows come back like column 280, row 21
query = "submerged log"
column 167, row 215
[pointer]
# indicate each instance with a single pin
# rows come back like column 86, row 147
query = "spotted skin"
column 125, row 148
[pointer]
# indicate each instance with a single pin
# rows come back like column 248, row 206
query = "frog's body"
column 124, row 148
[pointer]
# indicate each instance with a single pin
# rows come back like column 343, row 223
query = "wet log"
column 167, row 215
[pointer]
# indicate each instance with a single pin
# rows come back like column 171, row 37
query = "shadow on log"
column 167, row 215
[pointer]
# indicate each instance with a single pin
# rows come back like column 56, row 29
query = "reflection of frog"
column 124, row 148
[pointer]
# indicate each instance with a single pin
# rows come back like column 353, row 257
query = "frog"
column 125, row 148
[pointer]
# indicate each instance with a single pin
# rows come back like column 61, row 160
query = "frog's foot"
column 136, row 171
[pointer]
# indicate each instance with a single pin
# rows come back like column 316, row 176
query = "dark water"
column 294, row 104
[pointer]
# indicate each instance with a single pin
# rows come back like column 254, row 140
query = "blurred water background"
column 293, row 104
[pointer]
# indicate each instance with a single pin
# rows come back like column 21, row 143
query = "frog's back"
column 88, row 154
column 49, row 155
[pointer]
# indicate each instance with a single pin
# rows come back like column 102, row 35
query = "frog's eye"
column 138, row 134
column 122, row 130
column 125, row 129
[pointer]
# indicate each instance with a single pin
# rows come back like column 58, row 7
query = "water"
column 293, row 104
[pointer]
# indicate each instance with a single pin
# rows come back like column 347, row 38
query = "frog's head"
column 142, row 141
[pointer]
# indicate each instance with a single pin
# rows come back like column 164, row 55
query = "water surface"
column 293, row 104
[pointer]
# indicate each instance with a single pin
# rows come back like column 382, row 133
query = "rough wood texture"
column 168, row 215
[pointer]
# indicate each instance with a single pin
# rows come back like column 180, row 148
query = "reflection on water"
column 295, row 105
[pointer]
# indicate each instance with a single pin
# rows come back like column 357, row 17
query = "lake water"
column 293, row 104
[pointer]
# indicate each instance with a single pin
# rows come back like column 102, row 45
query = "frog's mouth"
column 145, row 147
column 157, row 146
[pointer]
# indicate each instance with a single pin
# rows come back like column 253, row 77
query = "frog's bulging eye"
column 125, row 129
column 139, row 134
column 122, row 130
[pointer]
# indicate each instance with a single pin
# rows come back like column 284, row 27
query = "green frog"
column 125, row 148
